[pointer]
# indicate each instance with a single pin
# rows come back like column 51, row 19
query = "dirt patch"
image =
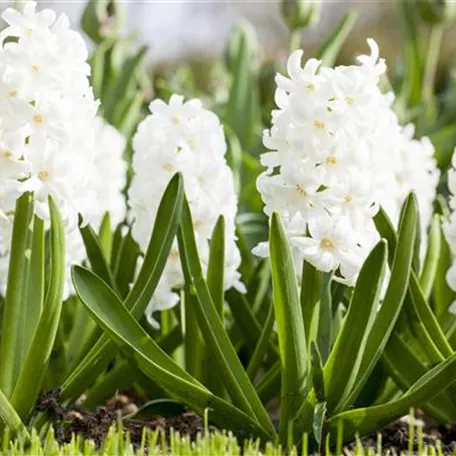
column 395, row 437
column 95, row 425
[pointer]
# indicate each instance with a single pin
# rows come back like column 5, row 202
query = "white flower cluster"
column 337, row 153
column 47, row 127
column 449, row 225
column 109, row 181
column 183, row 137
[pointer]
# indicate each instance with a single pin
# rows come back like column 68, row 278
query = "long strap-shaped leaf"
column 9, row 419
column 236, row 379
column 96, row 255
column 394, row 298
column 431, row 260
column 368, row 419
column 113, row 317
column 35, row 286
column 401, row 361
column 15, row 302
column 290, row 325
column 422, row 307
column 215, row 283
column 341, row 370
column 163, row 234
column 385, row 319
column 26, row 391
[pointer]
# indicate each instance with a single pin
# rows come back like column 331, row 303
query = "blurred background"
column 177, row 30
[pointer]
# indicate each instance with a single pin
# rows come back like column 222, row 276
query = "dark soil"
column 95, row 425
column 395, row 437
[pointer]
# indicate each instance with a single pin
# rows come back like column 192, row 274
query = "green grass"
column 155, row 443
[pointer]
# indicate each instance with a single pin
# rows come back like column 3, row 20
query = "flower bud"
column 103, row 19
column 300, row 13
column 437, row 11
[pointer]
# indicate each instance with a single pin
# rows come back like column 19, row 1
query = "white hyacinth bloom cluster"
column 47, row 126
column 449, row 225
column 183, row 137
column 337, row 152
column 109, row 181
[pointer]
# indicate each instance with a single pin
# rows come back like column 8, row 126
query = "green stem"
column 432, row 60
column 295, row 39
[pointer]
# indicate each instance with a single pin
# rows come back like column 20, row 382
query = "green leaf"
column 35, row 286
column 421, row 306
column 262, row 346
column 428, row 317
column 246, row 320
column 157, row 407
column 290, row 324
column 123, row 375
column 125, row 79
column 109, row 312
column 193, row 342
column 330, row 49
column 269, row 386
column 366, row 420
column 162, row 237
column 442, row 294
column 124, row 265
column 341, row 370
column 325, row 318
column 9, row 419
column 311, row 287
column 394, row 298
column 15, row 302
column 318, row 376
column 96, row 255
column 105, row 236
column 318, row 423
column 26, row 391
column 243, row 97
column 236, row 380
column 402, row 362
column 431, row 260
column 215, row 283
column 216, row 268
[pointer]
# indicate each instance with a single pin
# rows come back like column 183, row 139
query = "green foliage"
column 339, row 360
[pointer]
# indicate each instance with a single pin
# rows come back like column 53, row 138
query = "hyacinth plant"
column 212, row 270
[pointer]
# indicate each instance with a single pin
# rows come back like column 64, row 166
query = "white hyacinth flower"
column 338, row 152
column 50, row 142
column 449, row 224
column 183, row 137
